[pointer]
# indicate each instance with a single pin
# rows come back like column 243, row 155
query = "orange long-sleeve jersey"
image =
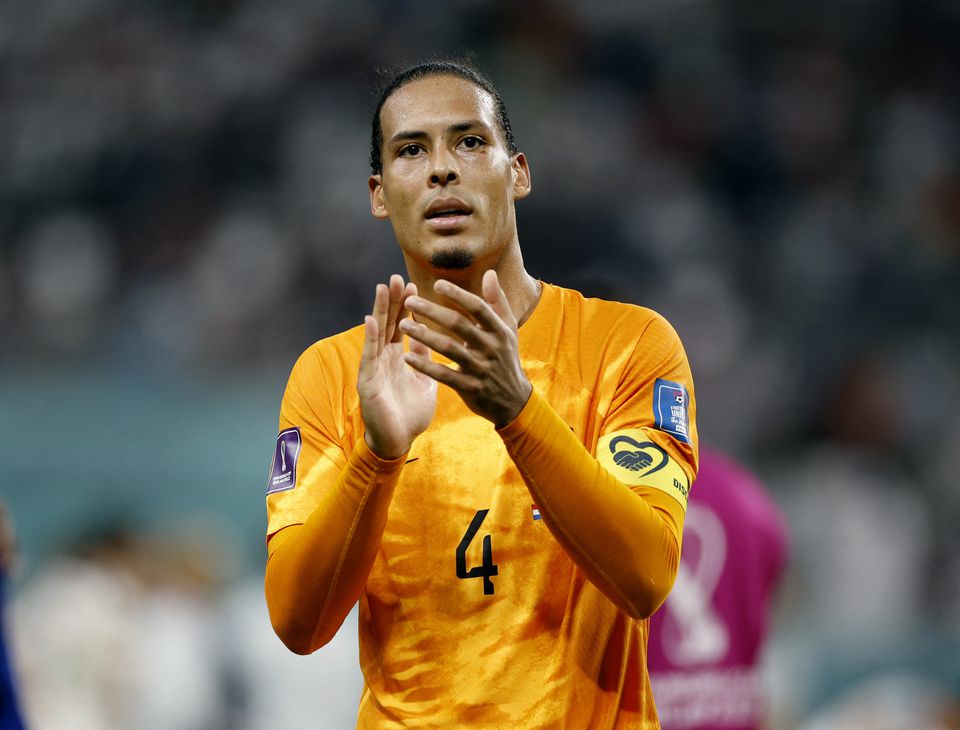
column 504, row 576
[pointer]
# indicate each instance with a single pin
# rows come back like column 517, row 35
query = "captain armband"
column 634, row 459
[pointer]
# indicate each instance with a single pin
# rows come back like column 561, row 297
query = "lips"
column 447, row 215
column 447, row 208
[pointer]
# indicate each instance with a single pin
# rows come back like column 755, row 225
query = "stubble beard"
column 452, row 259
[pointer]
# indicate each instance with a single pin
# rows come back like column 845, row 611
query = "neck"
column 522, row 290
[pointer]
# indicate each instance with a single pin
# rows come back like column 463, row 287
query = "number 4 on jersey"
column 487, row 568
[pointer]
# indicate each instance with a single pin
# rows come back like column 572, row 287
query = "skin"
column 443, row 146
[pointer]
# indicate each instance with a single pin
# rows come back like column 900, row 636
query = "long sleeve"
column 317, row 570
column 626, row 539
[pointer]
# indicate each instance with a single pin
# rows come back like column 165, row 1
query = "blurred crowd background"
column 183, row 210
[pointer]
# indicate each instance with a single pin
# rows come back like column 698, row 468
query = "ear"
column 522, row 181
column 378, row 207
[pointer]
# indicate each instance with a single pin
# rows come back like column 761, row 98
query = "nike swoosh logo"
column 410, row 460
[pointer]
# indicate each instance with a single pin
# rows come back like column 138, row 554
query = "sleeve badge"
column 671, row 409
column 283, row 472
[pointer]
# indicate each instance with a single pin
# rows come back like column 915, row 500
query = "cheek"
column 500, row 194
column 405, row 204
column 400, row 200
column 496, row 181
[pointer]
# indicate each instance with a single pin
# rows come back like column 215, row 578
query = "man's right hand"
column 396, row 401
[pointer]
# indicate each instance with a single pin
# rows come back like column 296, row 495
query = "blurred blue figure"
column 10, row 718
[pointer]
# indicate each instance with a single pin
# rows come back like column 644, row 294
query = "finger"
column 416, row 347
column 466, row 329
column 419, row 348
column 446, row 346
column 496, row 297
column 371, row 344
column 381, row 305
column 410, row 290
column 393, row 310
column 459, row 381
column 476, row 307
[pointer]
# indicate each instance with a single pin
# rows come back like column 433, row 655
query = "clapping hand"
column 483, row 343
column 397, row 402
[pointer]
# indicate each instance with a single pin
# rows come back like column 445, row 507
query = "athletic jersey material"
column 473, row 612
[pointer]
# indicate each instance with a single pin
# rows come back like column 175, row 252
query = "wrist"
column 387, row 452
column 510, row 415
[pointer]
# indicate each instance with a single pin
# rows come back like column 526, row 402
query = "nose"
column 443, row 172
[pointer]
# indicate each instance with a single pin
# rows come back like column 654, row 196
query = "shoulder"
column 593, row 308
column 618, row 324
column 324, row 358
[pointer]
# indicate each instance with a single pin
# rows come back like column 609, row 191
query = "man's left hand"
column 482, row 342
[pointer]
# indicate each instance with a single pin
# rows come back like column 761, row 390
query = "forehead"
column 436, row 102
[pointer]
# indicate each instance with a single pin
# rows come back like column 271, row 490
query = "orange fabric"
column 627, row 542
column 322, row 567
column 473, row 613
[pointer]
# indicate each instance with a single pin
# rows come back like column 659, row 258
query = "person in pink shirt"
column 707, row 638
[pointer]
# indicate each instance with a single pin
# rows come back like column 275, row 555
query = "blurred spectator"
column 706, row 645
column 890, row 701
column 274, row 688
column 241, row 275
column 123, row 631
column 68, row 271
column 862, row 530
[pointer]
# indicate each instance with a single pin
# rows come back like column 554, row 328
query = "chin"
column 452, row 259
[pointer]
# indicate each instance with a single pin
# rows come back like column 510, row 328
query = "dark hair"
column 461, row 69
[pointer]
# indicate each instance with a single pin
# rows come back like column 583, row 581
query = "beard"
column 452, row 259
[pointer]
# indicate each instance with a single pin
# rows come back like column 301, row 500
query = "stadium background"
column 183, row 210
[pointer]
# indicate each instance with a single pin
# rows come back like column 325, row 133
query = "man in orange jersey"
column 509, row 533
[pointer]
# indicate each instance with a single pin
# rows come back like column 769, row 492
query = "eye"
column 410, row 150
column 472, row 142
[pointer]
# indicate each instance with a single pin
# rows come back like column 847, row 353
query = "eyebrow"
column 414, row 134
